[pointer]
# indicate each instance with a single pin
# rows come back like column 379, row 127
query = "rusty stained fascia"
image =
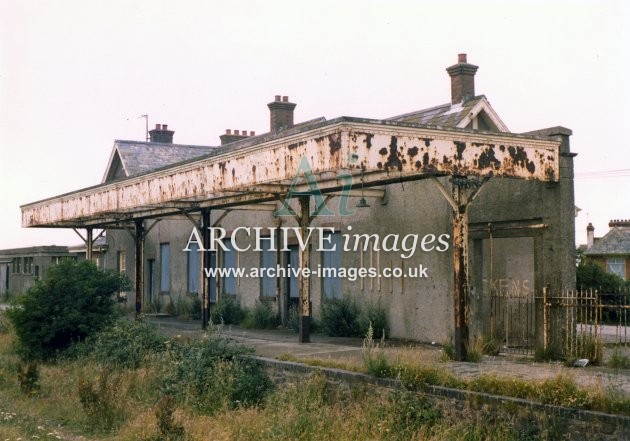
column 383, row 151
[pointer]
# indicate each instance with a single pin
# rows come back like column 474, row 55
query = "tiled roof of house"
column 446, row 115
column 616, row 241
column 141, row 157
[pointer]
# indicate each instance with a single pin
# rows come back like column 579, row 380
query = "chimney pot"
column 285, row 99
column 244, row 132
column 228, row 131
column 461, row 58
column 252, row 133
column 158, row 127
column 277, row 98
column 164, row 126
column 236, row 132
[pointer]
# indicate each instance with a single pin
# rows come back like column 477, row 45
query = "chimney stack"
column 462, row 80
column 623, row 223
column 161, row 134
column 281, row 113
column 234, row 135
column 590, row 235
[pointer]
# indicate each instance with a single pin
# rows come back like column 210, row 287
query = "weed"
column 618, row 360
column 409, row 412
column 373, row 315
column 28, row 377
column 447, row 352
column 99, row 399
column 373, row 353
column 227, row 311
column 549, row 353
column 261, row 316
column 169, row 429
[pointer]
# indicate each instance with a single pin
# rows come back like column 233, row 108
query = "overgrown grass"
column 210, row 389
column 618, row 360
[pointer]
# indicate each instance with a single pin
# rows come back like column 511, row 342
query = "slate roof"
column 615, row 242
column 141, row 157
column 444, row 115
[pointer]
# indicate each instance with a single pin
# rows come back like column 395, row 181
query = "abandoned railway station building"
column 480, row 219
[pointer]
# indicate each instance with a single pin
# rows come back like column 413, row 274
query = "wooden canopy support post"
column 89, row 244
column 463, row 192
column 205, row 263
column 304, row 282
column 460, row 273
column 139, row 263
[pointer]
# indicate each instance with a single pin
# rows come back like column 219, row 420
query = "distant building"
column 612, row 251
column 21, row 267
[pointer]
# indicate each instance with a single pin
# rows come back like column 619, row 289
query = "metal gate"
column 513, row 320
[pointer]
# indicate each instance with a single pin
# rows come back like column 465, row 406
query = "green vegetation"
column 73, row 301
column 261, row 316
column 227, row 311
column 345, row 318
column 618, row 360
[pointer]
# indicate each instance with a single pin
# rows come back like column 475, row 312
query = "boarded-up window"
column 165, row 267
column 331, row 286
column 267, row 260
column 229, row 261
column 193, row 268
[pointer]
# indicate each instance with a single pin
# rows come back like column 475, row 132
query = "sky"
column 76, row 74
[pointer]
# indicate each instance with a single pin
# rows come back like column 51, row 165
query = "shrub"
column 261, row 316
column 72, row 302
column 374, row 315
column 339, row 318
column 447, row 352
column 227, row 311
column 212, row 373
column 125, row 344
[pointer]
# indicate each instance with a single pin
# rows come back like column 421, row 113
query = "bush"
column 339, row 318
column 293, row 320
column 260, row 317
column 213, row 374
column 125, row 344
column 227, row 311
column 71, row 303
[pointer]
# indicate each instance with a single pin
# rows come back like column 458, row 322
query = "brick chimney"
column 590, row 235
column 236, row 135
column 462, row 80
column 161, row 134
column 281, row 113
